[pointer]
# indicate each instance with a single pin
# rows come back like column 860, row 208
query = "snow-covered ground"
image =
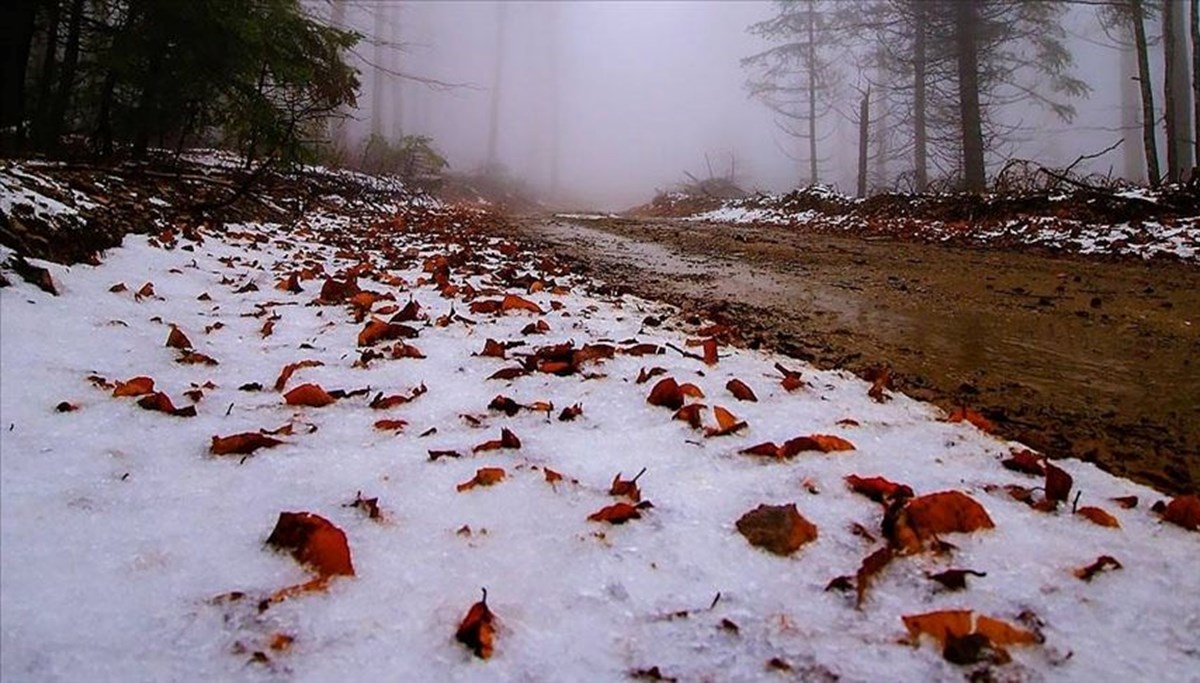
column 132, row 553
column 1179, row 237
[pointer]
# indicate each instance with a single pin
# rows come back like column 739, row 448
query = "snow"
column 21, row 189
column 119, row 528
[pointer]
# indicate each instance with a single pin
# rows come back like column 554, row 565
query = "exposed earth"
column 1095, row 358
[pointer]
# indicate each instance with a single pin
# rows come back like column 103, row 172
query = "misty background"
column 600, row 104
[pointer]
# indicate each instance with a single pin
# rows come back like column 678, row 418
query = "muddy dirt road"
column 1073, row 356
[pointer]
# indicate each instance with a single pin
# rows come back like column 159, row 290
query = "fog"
column 600, row 104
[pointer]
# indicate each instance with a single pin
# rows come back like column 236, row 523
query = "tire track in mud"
column 1078, row 357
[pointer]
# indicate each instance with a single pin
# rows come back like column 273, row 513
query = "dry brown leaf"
column 241, row 444
column 136, row 386
column 289, row 369
column 740, row 390
column 484, row 476
column 314, row 542
column 311, row 395
column 780, row 529
column 476, row 630
column 1098, row 516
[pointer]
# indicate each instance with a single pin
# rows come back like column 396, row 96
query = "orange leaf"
column 946, row 624
column 313, row 541
column 476, row 630
column 691, row 390
column 484, row 476
column 946, row 512
column 1058, row 484
column 710, row 351
column 134, row 387
column 740, row 391
column 551, row 475
column 196, row 358
column 690, row 414
column 963, row 413
column 512, row 302
column 1126, row 502
column 1102, row 563
column 881, row 380
column 1098, row 516
column 666, row 393
column 241, row 444
column 286, row 373
column 290, row 284
column 1183, row 511
column 877, row 489
column 825, row 443
column 1025, row 461
column 162, row 403
column 493, row 349
column 177, row 339
column 627, row 487
column 780, row 529
column 377, row 330
column 871, row 566
column 727, row 423
column 311, row 395
column 402, row 350
column 394, row 425
column 617, row 513
column 268, row 328
column 507, row 440
column 791, row 378
column 570, row 413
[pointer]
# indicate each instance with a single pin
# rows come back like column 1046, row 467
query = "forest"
column 818, row 340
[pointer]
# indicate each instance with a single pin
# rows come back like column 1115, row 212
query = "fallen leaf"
column 377, row 330
column 1058, row 484
column 944, row 624
column 507, row 440
column 691, row 414
column 955, row 579
column 570, row 413
column 1183, row 511
column 289, row 369
column 1126, row 502
column 1102, row 563
column 505, row 405
column 311, row 395
column 617, row 513
column 196, row 358
column 877, row 489
column 160, row 402
column 791, row 378
column 476, row 630
column 367, row 505
column 627, row 487
column 1098, row 516
column 314, row 542
column 1025, row 461
column 871, row 566
column 402, row 350
column 666, row 394
column 493, row 349
column 727, row 423
column 509, row 373
column 780, row 529
column 740, row 391
column 965, row 414
column 176, row 339
column 710, row 351
column 393, row 425
column 136, row 386
column 484, row 476
column 66, row 407
column 145, row 292
column 880, row 378
column 241, row 444
column 645, row 375
column 946, row 512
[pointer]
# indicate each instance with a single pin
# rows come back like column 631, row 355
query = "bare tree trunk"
column 66, row 80
column 1175, row 84
column 1148, row 142
column 1134, row 160
column 377, row 75
column 812, row 94
column 555, row 105
column 497, row 76
column 966, row 17
column 1195, row 24
column 864, row 122
column 337, row 125
column 16, row 36
column 41, row 112
column 920, row 135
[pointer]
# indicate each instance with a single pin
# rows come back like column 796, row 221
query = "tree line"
column 261, row 77
column 933, row 78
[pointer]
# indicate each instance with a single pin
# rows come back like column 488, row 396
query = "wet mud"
column 1074, row 356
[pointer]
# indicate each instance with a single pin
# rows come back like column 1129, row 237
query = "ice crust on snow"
column 118, row 528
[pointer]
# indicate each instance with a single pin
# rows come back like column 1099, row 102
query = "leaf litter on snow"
column 114, row 514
